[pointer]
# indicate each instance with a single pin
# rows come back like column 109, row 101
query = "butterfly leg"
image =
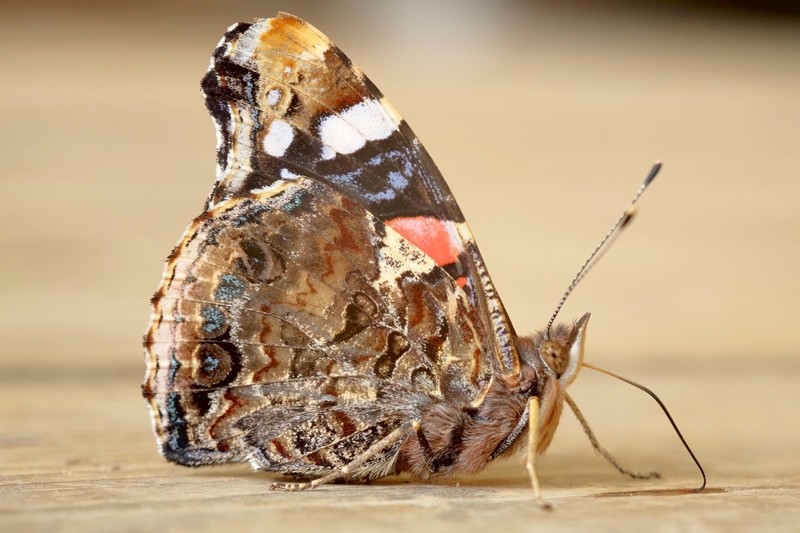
column 602, row 451
column 385, row 443
column 427, row 452
column 533, row 443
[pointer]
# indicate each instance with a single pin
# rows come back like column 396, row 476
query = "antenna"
column 621, row 222
column 663, row 408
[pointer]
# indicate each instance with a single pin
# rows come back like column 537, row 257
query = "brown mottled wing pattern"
column 295, row 308
column 301, row 318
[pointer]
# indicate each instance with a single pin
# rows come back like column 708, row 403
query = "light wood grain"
column 77, row 453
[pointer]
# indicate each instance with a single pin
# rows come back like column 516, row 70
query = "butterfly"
column 329, row 316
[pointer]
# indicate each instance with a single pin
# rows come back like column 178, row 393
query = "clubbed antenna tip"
column 653, row 172
column 621, row 222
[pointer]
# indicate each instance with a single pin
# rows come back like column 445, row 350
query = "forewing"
column 291, row 307
column 285, row 99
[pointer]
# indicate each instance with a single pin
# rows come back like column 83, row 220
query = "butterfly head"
column 562, row 350
column 550, row 361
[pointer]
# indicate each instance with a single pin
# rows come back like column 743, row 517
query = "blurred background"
column 544, row 116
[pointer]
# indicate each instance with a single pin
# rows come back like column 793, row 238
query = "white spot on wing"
column 371, row 119
column 350, row 130
column 288, row 175
column 278, row 138
column 274, row 96
column 336, row 133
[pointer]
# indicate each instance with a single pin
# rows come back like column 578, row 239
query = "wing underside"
column 284, row 98
column 294, row 305
column 331, row 289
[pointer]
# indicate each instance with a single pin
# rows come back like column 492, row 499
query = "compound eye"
column 555, row 356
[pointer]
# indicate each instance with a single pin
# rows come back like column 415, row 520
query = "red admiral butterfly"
column 329, row 316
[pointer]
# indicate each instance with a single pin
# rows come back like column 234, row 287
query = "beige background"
column 544, row 117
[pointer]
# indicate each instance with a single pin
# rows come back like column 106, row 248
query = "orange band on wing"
column 430, row 235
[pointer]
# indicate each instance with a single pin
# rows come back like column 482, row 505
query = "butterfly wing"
column 285, row 98
column 331, row 289
column 295, row 308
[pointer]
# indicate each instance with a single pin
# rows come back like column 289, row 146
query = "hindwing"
column 295, row 303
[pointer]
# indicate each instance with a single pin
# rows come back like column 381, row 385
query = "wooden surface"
column 543, row 119
column 77, row 454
